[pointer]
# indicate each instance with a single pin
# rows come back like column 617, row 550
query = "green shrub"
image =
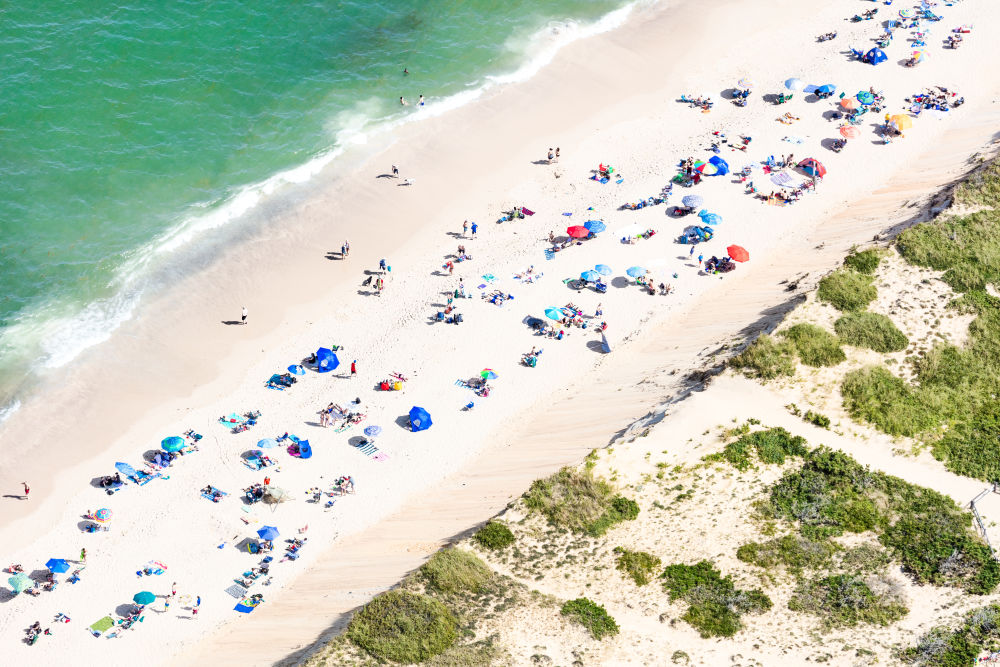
column 863, row 559
column 872, row 331
column 931, row 536
column 494, row 536
column 865, row 261
column 621, row 509
column 766, row 359
column 403, row 627
column 875, row 395
column 943, row 647
column 817, row 419
column 638, row 565
column 592, row 616
column 772, row 445
column 453, row 570
column 847, row 290
column 793, row 551
column 715, row 605
column 570, row 498
column 816, row 346
column 845, row 600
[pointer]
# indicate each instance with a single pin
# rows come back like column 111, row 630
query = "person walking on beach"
column 83, row 555
column 700, row 258
column 551, row 156
column 194, row 612
column 691, row 254
column 381, row 265
column 347, row 248
column 598, row 312
column 465, row 228
column 557, row 154
column 474, row 228
column 243, row 318
column 354, row 369
column 26, row 490
column 395, row 171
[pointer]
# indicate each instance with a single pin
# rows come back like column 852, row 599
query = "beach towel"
column 98, row 628
column 231, row 420
column 549, row 254
column 237, row 591
column 381, row 456
column 367, row 448
column 209, row 496
column 782, row 179
column 620, row 181
column 567, row 214
column 526, row 211
column 247, row 605
column 489, row 277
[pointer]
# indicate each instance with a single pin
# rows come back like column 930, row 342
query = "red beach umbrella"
column 578, row 232
column 850, row 132
column 738, row 253
column 813, row 167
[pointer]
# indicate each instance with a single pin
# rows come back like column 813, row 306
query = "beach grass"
column 794, row 552
column 872, row 331
column 579, row 501
column 846, row 600
column 961, row 646
column 637, row 565
column 873, row 394
column 592, row 616
column 771, row 445
column 847, row 290
column 864, row 261
column 494, row 536
column 403, row 627
column 715, row 605
column 766, row 359
column 815, row 345
column 454, row 570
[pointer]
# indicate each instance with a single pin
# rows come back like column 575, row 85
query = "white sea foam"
column 59, row 338
column 9, row 409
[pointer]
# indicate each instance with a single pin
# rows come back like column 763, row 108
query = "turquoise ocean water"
column 128, row 127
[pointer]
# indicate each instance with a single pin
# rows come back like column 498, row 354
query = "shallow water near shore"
column 133, row 128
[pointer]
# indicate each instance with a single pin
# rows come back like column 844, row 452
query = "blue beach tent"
column 876, row 56
column 326, row 360
column 721, row 165
column 420, row 419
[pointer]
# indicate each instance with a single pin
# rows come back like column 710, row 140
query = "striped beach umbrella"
column 102, row 515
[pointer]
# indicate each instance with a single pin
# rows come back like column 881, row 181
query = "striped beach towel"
column 549, row 254
column 367, row 448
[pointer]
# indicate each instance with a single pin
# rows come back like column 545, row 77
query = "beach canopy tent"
column 595, row 226
column 172, row 444
column 636, row 271
column 301, row 448
column 876, row 56
column 865, row 97
column 296, row 369
column 901, row 122
column 795, row 84
column 850, row 132
column 578, row 231
column 326, row 360
column 372, row 431
column 554, row 314
column 274, row 495
column 721, row 166
column 813, row 167
column 420, row 419
column 144, row 598
column 268, row 533
column 737, row 253
column 102, row 515
column 19, row 582
column 267, row 443
column 57, row 565
column 603, row 269
column 693, row 201
column 590, row 276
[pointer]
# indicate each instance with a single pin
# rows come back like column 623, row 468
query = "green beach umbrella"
column 19, row 582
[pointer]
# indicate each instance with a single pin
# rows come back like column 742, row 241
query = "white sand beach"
column 609, row 99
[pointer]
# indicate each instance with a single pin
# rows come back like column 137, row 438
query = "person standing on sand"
column 551, row 156
column 395, row 171
column 465, row 228
column 243, row 318
column 474, row 228
column 598, row 312
column 26, row 489
column 347, row 248
column 381, row 265
column 691, row 254
column 194, row 612
column 83, row 555
column 700, row 257
column 557, row 154
column 354, row 368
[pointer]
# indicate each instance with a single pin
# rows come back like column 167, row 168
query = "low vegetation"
column 766, row 359
column 772, row 445
column 847, row 290
column 864, row 261
column 715, row 605
column 872, row 331
column 494, row 536
column 846, row 600
column 816, row 346
column 453, row 570
column 638, row 565
column 875, row 395
column 578, row 501
column 792, row 551
column 926, row 531
column 592, row 616
column 959, row 647
column 403, row 627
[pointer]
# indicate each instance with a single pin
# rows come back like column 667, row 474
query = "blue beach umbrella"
column 693, row 201
column 19, row 582
column 595, row 226
column 636, row 271
column 268, row 533
column 590, row 276
column 143, row 598
column 794, row 84
column 711, row 219
column 603, row 269
column 296, row 369
column 267, row 443
column 721, row 166
column 554, row 313
column 827, row 89
column 57, row 565
column 372, row 431
column 326, row 360
column 420, row 419
column 125, row 469
column 172, row 444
